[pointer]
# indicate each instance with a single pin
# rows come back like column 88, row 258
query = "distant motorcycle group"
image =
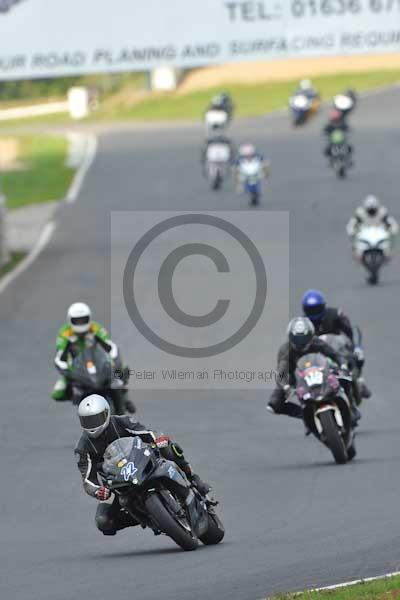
column 220, row 159
column 372, row 230
column 306, row 102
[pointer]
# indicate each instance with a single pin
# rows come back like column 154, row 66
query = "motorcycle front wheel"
column 332, row 437
column 215, row 530
column 168, row 524
column 254, row 198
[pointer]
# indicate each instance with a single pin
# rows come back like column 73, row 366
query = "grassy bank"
column 37, row 173
column 250, row 100
column 15, row 258
column 387, row 588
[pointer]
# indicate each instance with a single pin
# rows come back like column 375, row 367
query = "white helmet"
column 94, row 415
column 79, row 317
column 247, row 151
column 305, row 84
column 371, row 205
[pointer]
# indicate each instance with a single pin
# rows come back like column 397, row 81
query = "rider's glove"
column 103, row 493
column 359, row 354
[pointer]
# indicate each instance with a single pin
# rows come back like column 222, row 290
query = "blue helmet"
column 314, row 305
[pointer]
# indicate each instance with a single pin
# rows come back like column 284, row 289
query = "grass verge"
column 15, row 258
column 250, row 100
column 39, row 174
column 387, row 588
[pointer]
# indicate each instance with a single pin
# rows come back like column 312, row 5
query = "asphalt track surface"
column 293, row 519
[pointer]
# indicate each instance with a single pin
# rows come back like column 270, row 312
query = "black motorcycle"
column 340, row 155
column 93, row 372
column 326, row 408
column 345, row 348
column 157, row 494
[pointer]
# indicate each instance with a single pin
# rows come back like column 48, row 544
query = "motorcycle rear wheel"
column 333, row 439
column 168, row 524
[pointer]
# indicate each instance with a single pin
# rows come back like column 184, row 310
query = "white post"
column 79, row 102
column 165, row 79
column 4, row 254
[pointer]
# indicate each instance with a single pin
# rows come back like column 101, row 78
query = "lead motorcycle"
column 157, row 494
column 326, row 408
column 372, row 248
column 93, row 372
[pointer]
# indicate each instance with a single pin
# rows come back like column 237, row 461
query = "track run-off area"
column 293, row 519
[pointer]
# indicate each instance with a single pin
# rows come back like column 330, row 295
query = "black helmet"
column 301, row 333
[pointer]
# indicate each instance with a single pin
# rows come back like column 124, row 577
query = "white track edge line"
column 338, row 586
column 78, row 180
column 41, row 243
column 356, row 582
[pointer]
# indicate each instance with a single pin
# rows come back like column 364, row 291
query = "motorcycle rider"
column 341, row 102
column 329, row 320
column 337, row 122
column 222, row 101
column 306, row 87
column 301, row 340
column 372, row 213
column 101, row 429
column 247, row 153
column 72, row 339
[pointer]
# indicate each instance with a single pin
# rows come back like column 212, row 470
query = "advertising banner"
column 42, row 38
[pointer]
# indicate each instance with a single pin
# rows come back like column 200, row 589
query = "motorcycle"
column 372, row 247
column 92, row 372
column 339, row 153
column 326, row 408
column 217, row 161
column 157, row 494
column 345, row 348
column 303, row 107
column 250, row 174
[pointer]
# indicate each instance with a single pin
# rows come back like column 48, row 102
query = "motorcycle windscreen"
column 128, row 460
column 251, row 168
column 300, row 102
column 92, row 367
column 311, row 374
